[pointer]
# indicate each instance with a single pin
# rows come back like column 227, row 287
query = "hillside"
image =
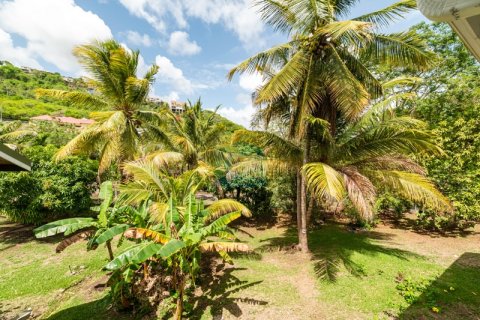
column 18, row 101
column 17, row 93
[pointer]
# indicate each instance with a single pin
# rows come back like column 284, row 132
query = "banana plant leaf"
column 171, row 247
column 110, row 233
column 63, row 226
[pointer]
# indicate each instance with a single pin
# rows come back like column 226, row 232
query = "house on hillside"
column 11, row 160
column 177, row 107
column 462, row 15
column 65, row 120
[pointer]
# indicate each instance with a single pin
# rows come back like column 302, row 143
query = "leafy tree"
column 197, row 136
column 117, row 133
column 50, row 191
column 321, row 71
column 253, row 192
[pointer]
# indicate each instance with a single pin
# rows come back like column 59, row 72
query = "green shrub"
column 251, row 191
column 52, row 190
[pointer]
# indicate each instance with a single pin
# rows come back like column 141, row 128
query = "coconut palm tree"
column 197, row 137
column 158, row 184
column 121, row 125
column 324, row 65
column 372, row 151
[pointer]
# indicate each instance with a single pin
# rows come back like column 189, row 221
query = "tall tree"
column 326, row 70
column 371, row 151
column 118, row 131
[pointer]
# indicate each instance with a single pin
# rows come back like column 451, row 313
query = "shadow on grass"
column 12, row 234
column 94, row 310
column 453, row 295
column 218, row 291
column 409, row 222
column 332, row 248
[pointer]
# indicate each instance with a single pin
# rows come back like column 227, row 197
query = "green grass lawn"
column 348, row 276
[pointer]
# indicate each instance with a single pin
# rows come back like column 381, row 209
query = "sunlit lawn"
column 351, row 276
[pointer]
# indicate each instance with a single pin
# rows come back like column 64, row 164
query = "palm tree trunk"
column 303, row 233
column 311, row 204
column 299, row 205
column 220, row 192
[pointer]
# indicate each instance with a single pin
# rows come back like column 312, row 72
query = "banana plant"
column 187, row 231
column 98, row 231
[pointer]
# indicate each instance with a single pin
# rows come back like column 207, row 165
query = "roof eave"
column 16, row 162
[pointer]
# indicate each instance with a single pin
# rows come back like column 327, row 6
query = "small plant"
column 420, row 290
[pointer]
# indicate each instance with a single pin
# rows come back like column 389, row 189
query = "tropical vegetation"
column 350, row 123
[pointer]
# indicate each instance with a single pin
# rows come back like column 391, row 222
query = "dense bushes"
column 253, row 192
column 50, row 191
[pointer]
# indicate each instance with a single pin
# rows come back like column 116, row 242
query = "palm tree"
column 322, row 70
column 151, row 182
column 117, row 132
column 197, row 136
column 366, row 153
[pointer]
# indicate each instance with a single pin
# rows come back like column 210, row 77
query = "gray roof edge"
column 447, row 10
column 14, row 157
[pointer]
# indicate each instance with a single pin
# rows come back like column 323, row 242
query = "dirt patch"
column 442, row 249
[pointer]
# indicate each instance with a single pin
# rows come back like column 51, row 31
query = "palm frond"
column 75, row 98
column 412, row 186
column 324, row 181
column 386, row 16
column 141, row 233
column 361, row 192
column 225, row 206
column 224, row 246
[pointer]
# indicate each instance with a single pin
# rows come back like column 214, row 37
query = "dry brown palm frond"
column 78, row 236
column 141, row 233
column 224, row 246
column 361, row 192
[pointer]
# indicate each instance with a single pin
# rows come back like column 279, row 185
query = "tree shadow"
column 217, row 290
column 453, row 295
column 332, row 247
column 12, row 234
column 409, row 222
column 97, row 309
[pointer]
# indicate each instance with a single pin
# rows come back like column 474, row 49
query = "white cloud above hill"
column 50, row 29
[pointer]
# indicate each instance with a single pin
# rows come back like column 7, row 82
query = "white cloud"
column 242, row 115
column 16, row 55
column 238, row 16
column 172, row 96
column 51, row 28
column 173, row 76
column 180, row 44
column 250, row 82
column 138, row 39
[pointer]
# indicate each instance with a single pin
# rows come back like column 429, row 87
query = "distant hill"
column 17, row 93
column 18, row 101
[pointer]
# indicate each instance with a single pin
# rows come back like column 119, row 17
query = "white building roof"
column 12, row 161
column 462, row 15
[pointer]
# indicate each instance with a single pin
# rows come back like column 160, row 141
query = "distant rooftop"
column 65, row 120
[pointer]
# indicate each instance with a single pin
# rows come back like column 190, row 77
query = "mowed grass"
column 349, row 275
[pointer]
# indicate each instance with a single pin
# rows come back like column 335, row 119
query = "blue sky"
column 194, row 42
